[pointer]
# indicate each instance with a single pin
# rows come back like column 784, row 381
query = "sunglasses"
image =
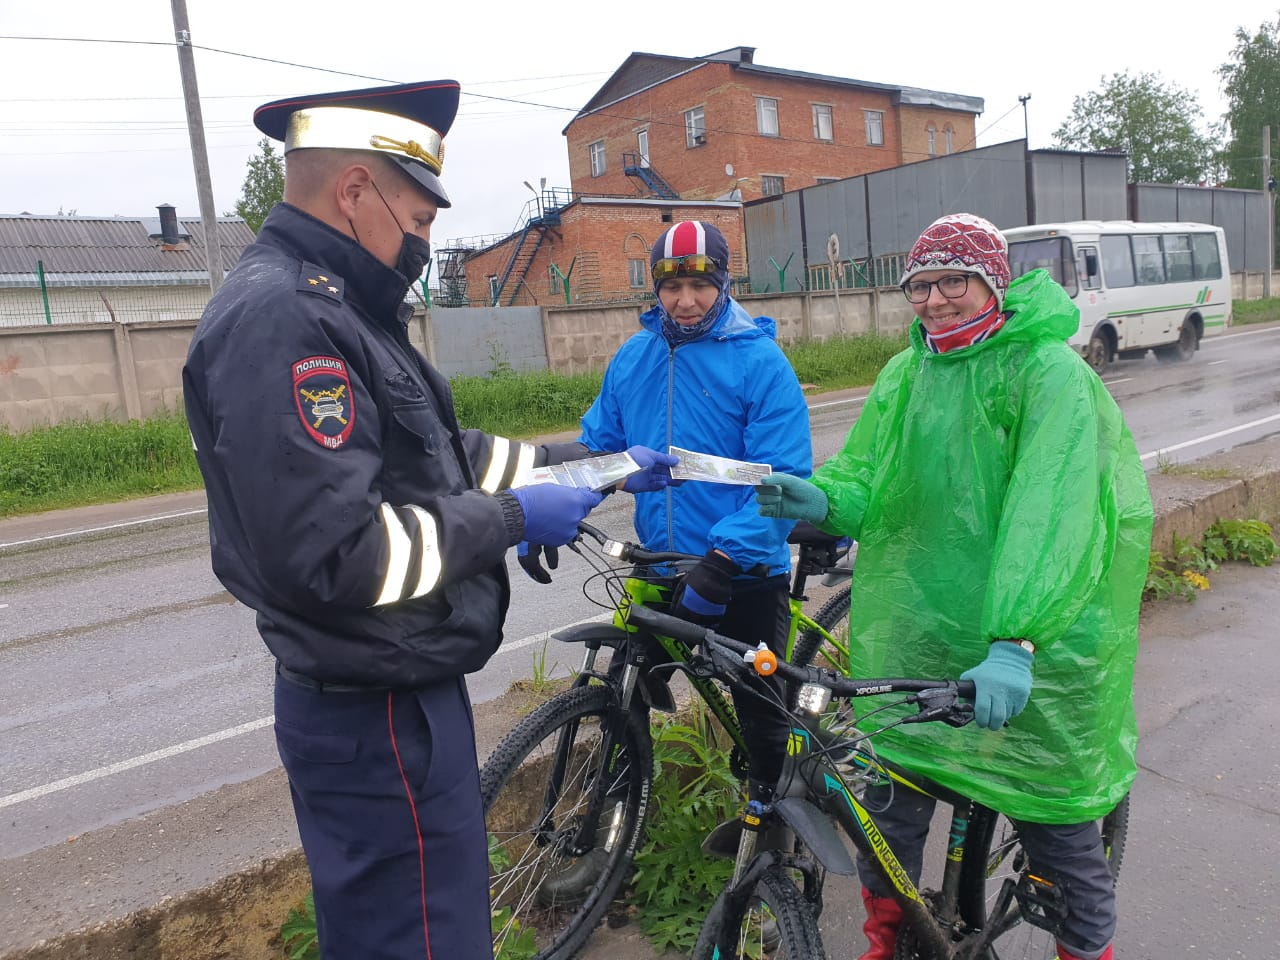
column 694, row 265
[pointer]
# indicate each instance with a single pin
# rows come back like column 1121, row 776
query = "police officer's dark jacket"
column 345, row 504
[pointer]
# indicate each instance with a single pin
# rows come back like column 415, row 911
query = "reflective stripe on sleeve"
column 429, row 563
column 398, row 550
column 507, row 462
column 412, row 536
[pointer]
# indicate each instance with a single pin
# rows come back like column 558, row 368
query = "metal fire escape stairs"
column 544, row 213
column 633, row 165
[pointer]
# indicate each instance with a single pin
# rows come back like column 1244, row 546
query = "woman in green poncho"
column 1003, row 522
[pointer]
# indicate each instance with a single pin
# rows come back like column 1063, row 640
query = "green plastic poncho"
column 995, row 492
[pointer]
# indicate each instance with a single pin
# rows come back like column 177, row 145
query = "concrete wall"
column 117, row 371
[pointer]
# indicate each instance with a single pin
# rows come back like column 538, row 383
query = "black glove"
column 705, row 591
column 529, row 556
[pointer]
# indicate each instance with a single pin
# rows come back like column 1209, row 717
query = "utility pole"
column 1269, row 189
column 1025, row 134
column 199, row 153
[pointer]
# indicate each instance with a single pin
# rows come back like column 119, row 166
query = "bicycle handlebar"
column 632, row 552
column 726, row 653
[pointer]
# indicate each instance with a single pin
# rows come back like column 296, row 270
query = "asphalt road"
column 131, row 686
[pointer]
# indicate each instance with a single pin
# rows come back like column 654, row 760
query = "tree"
column 1154, row 123
column 263, row 185
column 1251, row 82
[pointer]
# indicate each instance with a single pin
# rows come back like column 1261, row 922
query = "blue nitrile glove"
column 552, row 512
column 529, row 556
column 656, row 472
column 705, row 591
column 1002, row 684
column 785, row 496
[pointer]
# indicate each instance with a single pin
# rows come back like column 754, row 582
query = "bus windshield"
column 1048, row 253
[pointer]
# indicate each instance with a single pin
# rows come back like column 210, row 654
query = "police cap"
column 406, row 122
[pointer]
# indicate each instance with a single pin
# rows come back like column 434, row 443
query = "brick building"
column 666, row 131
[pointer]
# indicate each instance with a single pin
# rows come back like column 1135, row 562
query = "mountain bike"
column 990, row 905
column 566, row 792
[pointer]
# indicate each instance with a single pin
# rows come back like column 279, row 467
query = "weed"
column 693, row 791
column 298, row 934
column 1187, row 571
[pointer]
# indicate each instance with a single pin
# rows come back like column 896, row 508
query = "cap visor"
column 426, row 179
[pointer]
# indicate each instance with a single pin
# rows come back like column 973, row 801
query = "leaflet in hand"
column 594, row 473
column 713, row 469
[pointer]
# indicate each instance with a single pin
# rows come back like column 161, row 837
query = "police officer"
column 367, row 530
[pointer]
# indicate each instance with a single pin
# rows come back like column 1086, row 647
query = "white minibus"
column 1139, row 286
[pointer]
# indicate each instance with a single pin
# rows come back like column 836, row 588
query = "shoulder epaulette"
column 318, row 280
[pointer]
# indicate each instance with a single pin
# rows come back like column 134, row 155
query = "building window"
column 695, row 127
column 642, row 147
column 639, row 272
column 933, row 140
column 875, row 127
column 553, row 281
column 767, row 116
column 948, row 133
column 826, row 179
column 822, row 129
column 493, row 290
column 597, row 158
column 770, row 186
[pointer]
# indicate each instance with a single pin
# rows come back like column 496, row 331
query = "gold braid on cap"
column 411, row 149
column 347, row 128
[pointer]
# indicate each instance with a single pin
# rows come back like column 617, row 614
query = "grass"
column 1255, row 311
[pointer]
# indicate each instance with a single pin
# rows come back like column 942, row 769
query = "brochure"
column 713, row 469
column 594, row 473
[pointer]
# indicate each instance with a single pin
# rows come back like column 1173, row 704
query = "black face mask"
column 415, row 254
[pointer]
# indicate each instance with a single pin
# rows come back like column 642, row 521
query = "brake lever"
column 697, row 667
column 941, row 704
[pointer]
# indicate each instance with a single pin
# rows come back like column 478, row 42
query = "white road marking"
column 110, row 526
column 1211, row 436
column 166, row 752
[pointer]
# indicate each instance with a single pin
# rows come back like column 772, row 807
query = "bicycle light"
column 813, row 698
column 612, row 548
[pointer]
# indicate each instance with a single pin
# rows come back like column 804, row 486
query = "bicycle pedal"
column 1040, row 902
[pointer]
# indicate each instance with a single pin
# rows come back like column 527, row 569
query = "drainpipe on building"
column 44, row 292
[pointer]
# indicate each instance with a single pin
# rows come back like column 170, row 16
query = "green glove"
column 785, row 496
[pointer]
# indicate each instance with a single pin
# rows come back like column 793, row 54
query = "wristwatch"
column 1026, row 645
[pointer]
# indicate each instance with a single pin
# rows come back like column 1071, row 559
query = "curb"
column 239, row 915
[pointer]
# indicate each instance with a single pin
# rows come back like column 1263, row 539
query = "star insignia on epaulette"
column 314, row 279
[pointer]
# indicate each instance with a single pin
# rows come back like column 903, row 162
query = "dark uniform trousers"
column 409, row 876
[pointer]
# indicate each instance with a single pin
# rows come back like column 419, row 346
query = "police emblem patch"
column 322, row 392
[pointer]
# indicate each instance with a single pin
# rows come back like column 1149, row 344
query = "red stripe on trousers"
column 422, row 863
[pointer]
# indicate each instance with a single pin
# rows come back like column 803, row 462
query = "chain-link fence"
column 98, row 300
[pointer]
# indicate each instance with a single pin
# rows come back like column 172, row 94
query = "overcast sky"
column 99, row 128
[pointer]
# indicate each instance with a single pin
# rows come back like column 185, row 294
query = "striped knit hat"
column 964, row 243
column 688, row 237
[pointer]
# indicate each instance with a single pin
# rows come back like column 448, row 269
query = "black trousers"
column 386, row 792
column 1069, row 855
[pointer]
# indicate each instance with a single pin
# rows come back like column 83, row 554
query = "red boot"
column 884, row 915
column 1065, row 954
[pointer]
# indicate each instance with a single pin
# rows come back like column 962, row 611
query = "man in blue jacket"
column 705, row 376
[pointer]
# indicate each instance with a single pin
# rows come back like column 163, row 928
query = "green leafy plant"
column 298, row 933
column 1187, row 571
column 518, row 944
column 693, row 791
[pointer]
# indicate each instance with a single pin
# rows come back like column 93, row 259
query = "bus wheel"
column 1099, row 353
column 1185, row 348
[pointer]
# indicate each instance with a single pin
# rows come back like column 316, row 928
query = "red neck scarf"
column 975, row 329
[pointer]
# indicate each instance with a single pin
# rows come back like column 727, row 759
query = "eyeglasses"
column 694, row 265
column 952, row 287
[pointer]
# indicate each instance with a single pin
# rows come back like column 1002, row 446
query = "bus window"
column 1117, row 262
column 1177, row 257
column 1087, row 268
column 1204, row 255
column 1049, row 253
column 1148, row 259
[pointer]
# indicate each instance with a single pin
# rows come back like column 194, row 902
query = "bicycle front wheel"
column 776, row 922
column 993, row 854
column 833, row 617
column 551, row 875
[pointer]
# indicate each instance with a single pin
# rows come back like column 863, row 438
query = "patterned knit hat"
column 689, row 237
column 966, row 243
